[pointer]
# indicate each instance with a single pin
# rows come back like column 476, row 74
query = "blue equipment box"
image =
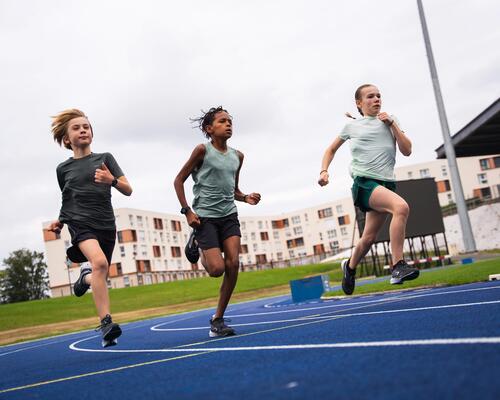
column 309, row 288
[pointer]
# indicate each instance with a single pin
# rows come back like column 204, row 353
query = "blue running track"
column 422, row 344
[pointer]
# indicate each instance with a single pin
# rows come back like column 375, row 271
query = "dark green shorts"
column 362, row 189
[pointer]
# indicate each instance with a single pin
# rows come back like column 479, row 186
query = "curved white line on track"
column 73, row 346
column 319, row 316
column 418, row 342
column 157, row 328
column 382, row 300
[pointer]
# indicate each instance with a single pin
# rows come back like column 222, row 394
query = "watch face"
column 184, row 210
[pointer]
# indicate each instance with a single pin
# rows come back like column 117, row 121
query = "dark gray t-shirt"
column 83, row 200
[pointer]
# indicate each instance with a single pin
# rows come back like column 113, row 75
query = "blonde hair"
column 60, row 124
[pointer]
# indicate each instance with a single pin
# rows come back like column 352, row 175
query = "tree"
column 24, row 278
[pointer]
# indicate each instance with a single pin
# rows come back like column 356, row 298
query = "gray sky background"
column 286, row 71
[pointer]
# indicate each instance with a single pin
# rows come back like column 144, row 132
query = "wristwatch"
column 115, row 182
column 184, row 210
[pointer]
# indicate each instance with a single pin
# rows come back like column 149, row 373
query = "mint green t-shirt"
column 373, row 148
column 214, row 183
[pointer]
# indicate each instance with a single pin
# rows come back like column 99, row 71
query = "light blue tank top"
column 214, row 183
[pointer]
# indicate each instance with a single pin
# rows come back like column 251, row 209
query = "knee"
column 216, row 270
column 232, row 263
column 402, row 209
column 100, row 266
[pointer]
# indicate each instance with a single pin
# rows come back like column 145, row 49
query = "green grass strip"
column 61, row 309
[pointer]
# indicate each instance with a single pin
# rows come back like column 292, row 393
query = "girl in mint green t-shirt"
column 373, row 140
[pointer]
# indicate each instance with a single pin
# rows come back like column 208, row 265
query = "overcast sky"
column 286, row 71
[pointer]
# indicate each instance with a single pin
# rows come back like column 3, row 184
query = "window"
column 444, row 171
column 496, row 162
column 297, row 230
column 410, row 175
column 325, row 213
column 334, row 246
column 126, row 281
column 482, row 178
column 131, row 219
column 176, row 225
column 280, row 224
column 332, row 233
column 176, row 251
column 450, row 198
column 264, row 236
column 298, row 242
column 443, row 186
column 343, row 231
column 139, row 222
column 158, row 223
column 484, row 164
column 276, row 234
column 344, row 220
column 243, row 225
column 296, row 220
column 306, row 218
column 255, row 247
column 243, row 249
column 252, row 235
column 142, row 236
column 144, row 250
column 425, row 173
column 260, row 224
column 119, row 270
column 339, row 209
column 122, row 251
column 156, row 251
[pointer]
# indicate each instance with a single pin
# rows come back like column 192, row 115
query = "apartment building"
column 480, row 176
column 149, row 249
column 150, row 245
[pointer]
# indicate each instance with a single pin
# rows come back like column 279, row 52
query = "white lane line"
column 385, row 299
column 326, row 315
column 73, row 346
column 385, row 343
column 158, row 329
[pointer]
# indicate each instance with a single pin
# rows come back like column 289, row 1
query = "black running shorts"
column 213, row 231
column 79, row 233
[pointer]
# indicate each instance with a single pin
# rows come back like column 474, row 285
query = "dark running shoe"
column 403, row 272
column 80, row 287
column 219, row 328
column 109, row 331
column 348, row 277
column 191, row 250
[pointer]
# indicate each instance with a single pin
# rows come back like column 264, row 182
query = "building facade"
column 480, row 176
column 150, row 245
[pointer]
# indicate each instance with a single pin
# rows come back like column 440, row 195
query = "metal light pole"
column 456, row 183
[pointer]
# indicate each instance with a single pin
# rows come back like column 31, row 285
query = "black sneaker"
column 403, row 272
column 109, row 331
column 80, row 287
column 218, row 328
column 348, row 277
column 191, row 250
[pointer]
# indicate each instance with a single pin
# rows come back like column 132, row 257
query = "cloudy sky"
column 285, row 69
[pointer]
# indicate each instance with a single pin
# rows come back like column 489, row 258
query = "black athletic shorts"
column 213, row 231
column 79, row 233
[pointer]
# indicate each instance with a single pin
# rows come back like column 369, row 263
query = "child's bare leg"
column 97, row 279
column 385, row 200
column 373, row 223
column 231, row 262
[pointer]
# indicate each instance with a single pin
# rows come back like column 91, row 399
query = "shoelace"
column 104, row 322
